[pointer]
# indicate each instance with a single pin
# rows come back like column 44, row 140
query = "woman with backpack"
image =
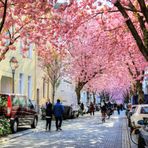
column 48, row 115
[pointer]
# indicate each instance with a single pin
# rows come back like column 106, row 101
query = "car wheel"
column 14, row 126
column 70, row 114
column 141, row 142
column 34, row 124
column 73, row 115
column 129, row 123
column 131, row 129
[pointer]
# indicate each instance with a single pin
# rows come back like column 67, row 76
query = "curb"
column 13, row 136
column 126, row 143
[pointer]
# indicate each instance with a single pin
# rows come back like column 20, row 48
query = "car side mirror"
column 31, row 106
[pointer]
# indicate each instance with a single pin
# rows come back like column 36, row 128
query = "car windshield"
column 144, row 110
column 133, row 109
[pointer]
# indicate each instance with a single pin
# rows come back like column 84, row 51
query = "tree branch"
column 4, row 16
column 144, row 9
column 133, row 30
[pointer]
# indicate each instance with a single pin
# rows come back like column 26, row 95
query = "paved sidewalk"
column 125, row 135
column 83, row 132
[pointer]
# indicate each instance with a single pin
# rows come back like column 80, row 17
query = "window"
column 133, row 109
column 30, row 51
column 7, row 40
column 29, row 104
column 29, row 87
column 21, row 83
column 144, row 110
column 21, row 47
column 22, row 101
column 15, row 101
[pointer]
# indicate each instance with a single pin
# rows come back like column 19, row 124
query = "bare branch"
column 4, row 16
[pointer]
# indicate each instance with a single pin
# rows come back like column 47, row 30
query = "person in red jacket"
column 92, row 109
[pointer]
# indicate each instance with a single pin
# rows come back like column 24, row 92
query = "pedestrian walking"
column 48, row 115
column 58, row 113
column 103, row 111
column 92, row 109
column 118, row 109
column 81, row 108
column 109, row 109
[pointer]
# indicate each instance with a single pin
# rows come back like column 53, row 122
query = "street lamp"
column 13, row 64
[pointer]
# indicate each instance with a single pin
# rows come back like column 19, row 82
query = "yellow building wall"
column 29, row 67
column 43, row 97
column 26, row 66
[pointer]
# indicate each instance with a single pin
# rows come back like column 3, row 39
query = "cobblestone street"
column 84, row 132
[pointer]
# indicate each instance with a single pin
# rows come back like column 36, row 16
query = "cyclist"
column 103, row 112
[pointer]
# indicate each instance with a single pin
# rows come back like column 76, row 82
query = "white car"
column 131, row 110
column 141, row 111
column 129, row 114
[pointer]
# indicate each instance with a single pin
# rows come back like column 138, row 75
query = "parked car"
column 70, row 112
column 141, row 111
column 75, row 111
column 19, row 110
column 143, row 135
column 131, row 111
column 128, row 107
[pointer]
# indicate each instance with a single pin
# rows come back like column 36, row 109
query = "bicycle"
column 103, row 117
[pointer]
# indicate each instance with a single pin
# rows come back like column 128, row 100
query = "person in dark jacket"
column 58, row 113
column 118, row 109
column 103, row 111
column 48, row 115
column 81, row 108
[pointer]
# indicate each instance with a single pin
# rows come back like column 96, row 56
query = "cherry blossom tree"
column 115, row 52
column 139, row 11
column 129, row 54
column 133, row 13
column 21, row 19
column 121, row 41
column 88, row 60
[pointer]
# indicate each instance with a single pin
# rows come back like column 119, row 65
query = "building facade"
column 28, row 77
column 66, row 92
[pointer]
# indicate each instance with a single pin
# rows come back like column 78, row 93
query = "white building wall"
column 66, row 93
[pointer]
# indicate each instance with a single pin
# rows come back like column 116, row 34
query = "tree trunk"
column 88, row 97
column 78, row 89
column 94, row 97
column 78, row 93
column 140, row 92
column 53, row 93
column 48, row 91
